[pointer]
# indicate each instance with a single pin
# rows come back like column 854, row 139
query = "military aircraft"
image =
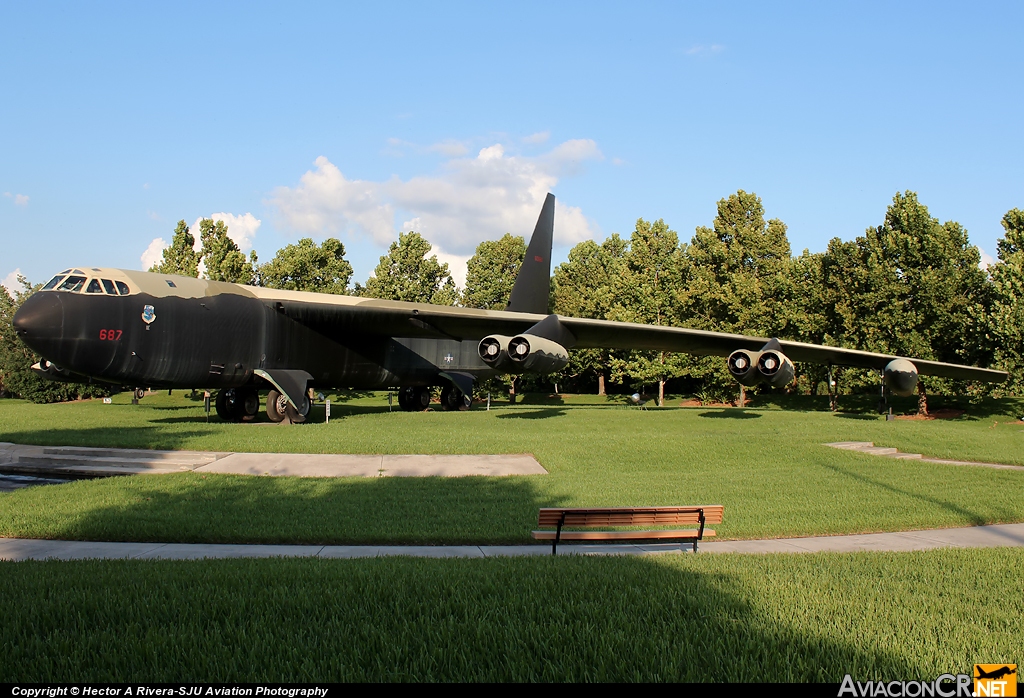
column 135, row 328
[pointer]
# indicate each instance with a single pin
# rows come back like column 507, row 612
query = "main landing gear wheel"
column 454, row 399
column 414, row 398
column 278, row 408
column 238, row 404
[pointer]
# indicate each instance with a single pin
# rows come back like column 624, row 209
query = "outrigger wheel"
column 413, row 398
column 454, row 399
column 278, row 408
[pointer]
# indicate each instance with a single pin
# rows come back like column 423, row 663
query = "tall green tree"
column 910, row 286
column 405, row 273
column 307, row 266
column 1007, row 316
column 740, row 280
column 584, row 286
column 181, row 257
column 491, row 272
column 222, row 258
column 653, row 271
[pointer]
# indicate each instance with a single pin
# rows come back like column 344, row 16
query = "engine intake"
column 776, row 368
column 901, row 377
column 493, row 350
column 743, row 367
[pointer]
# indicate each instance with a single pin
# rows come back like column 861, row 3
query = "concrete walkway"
column 994, row 536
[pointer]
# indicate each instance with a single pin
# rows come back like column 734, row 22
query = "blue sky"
column 308, row 119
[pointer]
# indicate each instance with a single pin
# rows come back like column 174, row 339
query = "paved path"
column 995, row 536
column 869, row 448
column 81, row 461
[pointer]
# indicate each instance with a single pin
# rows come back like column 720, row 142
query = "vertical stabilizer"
column 530, row 292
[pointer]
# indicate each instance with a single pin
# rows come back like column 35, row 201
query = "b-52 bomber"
column 133, row 328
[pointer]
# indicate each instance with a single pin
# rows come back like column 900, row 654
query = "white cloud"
column 469, row 200
column 986, row 260
column 456, row 264
column 242, row 229
column 704, row 49
column 154, row 253
column 10, row 282
column 537, row 138
column 19, row 199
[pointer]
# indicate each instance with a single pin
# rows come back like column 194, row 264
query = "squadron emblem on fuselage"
column 148, row 314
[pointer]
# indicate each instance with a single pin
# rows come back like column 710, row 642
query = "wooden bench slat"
column 619, row 535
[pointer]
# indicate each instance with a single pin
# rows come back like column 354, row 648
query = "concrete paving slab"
column 460, row 466
column 749, row 546
column 515, row 550
column 296, row 465
column 21, row 549
column 348, row 551
column 864, row 542
column 199, row 551
column 997, row 535
column 430, row 550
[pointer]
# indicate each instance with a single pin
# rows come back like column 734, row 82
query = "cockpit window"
column 53, row 282
column 108, row 286
column 170, row 283
column 122, row 287
column 73, row 284
column 78, row 271
column 94, row 286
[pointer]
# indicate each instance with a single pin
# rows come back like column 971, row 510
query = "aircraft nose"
column 40, row 320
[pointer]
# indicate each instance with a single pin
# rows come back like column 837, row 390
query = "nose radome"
column 40, row 319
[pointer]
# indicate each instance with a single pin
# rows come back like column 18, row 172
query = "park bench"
column 560, row 519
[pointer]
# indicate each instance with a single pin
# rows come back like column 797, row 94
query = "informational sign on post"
column 327, row 405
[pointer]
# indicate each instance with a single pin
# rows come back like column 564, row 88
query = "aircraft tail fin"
column 533, row 284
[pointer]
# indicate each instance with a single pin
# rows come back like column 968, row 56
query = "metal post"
column 488, row 402
column 327, row 407
column 206, row 404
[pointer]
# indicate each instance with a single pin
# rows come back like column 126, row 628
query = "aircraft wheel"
column 405, row 396
column 140, row 393
column 297, row 416
column 248, row 400
column 454, row 399
column 276, row 404
column 421, row 399
column 229, row 406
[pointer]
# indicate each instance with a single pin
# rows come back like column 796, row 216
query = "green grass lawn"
column 664, row 618
column 766, row 465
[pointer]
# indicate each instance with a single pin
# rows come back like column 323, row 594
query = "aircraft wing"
column 347, row 317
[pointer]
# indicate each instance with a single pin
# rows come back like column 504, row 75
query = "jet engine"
column 901, row 377
column 776, row 368
column 536, row 354
column 493, row 349
column 743, row 367
column 752, row 367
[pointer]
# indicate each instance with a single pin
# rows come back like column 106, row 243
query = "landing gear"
column 238, row 404
column 414, row 398
column 279, row 409
column 454, row 399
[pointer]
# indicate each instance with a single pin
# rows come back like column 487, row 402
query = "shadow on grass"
column 534, row 414
column 495, row 620
column 210, row 508
column 731, row 413
column 862, row 417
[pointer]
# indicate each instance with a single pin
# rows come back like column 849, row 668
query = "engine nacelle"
column 536, row 354
column 493, row 349
column 775, row 368
column 743, row 367
column 901, row 377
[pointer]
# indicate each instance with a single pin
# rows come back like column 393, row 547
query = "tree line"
column 911, row 286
